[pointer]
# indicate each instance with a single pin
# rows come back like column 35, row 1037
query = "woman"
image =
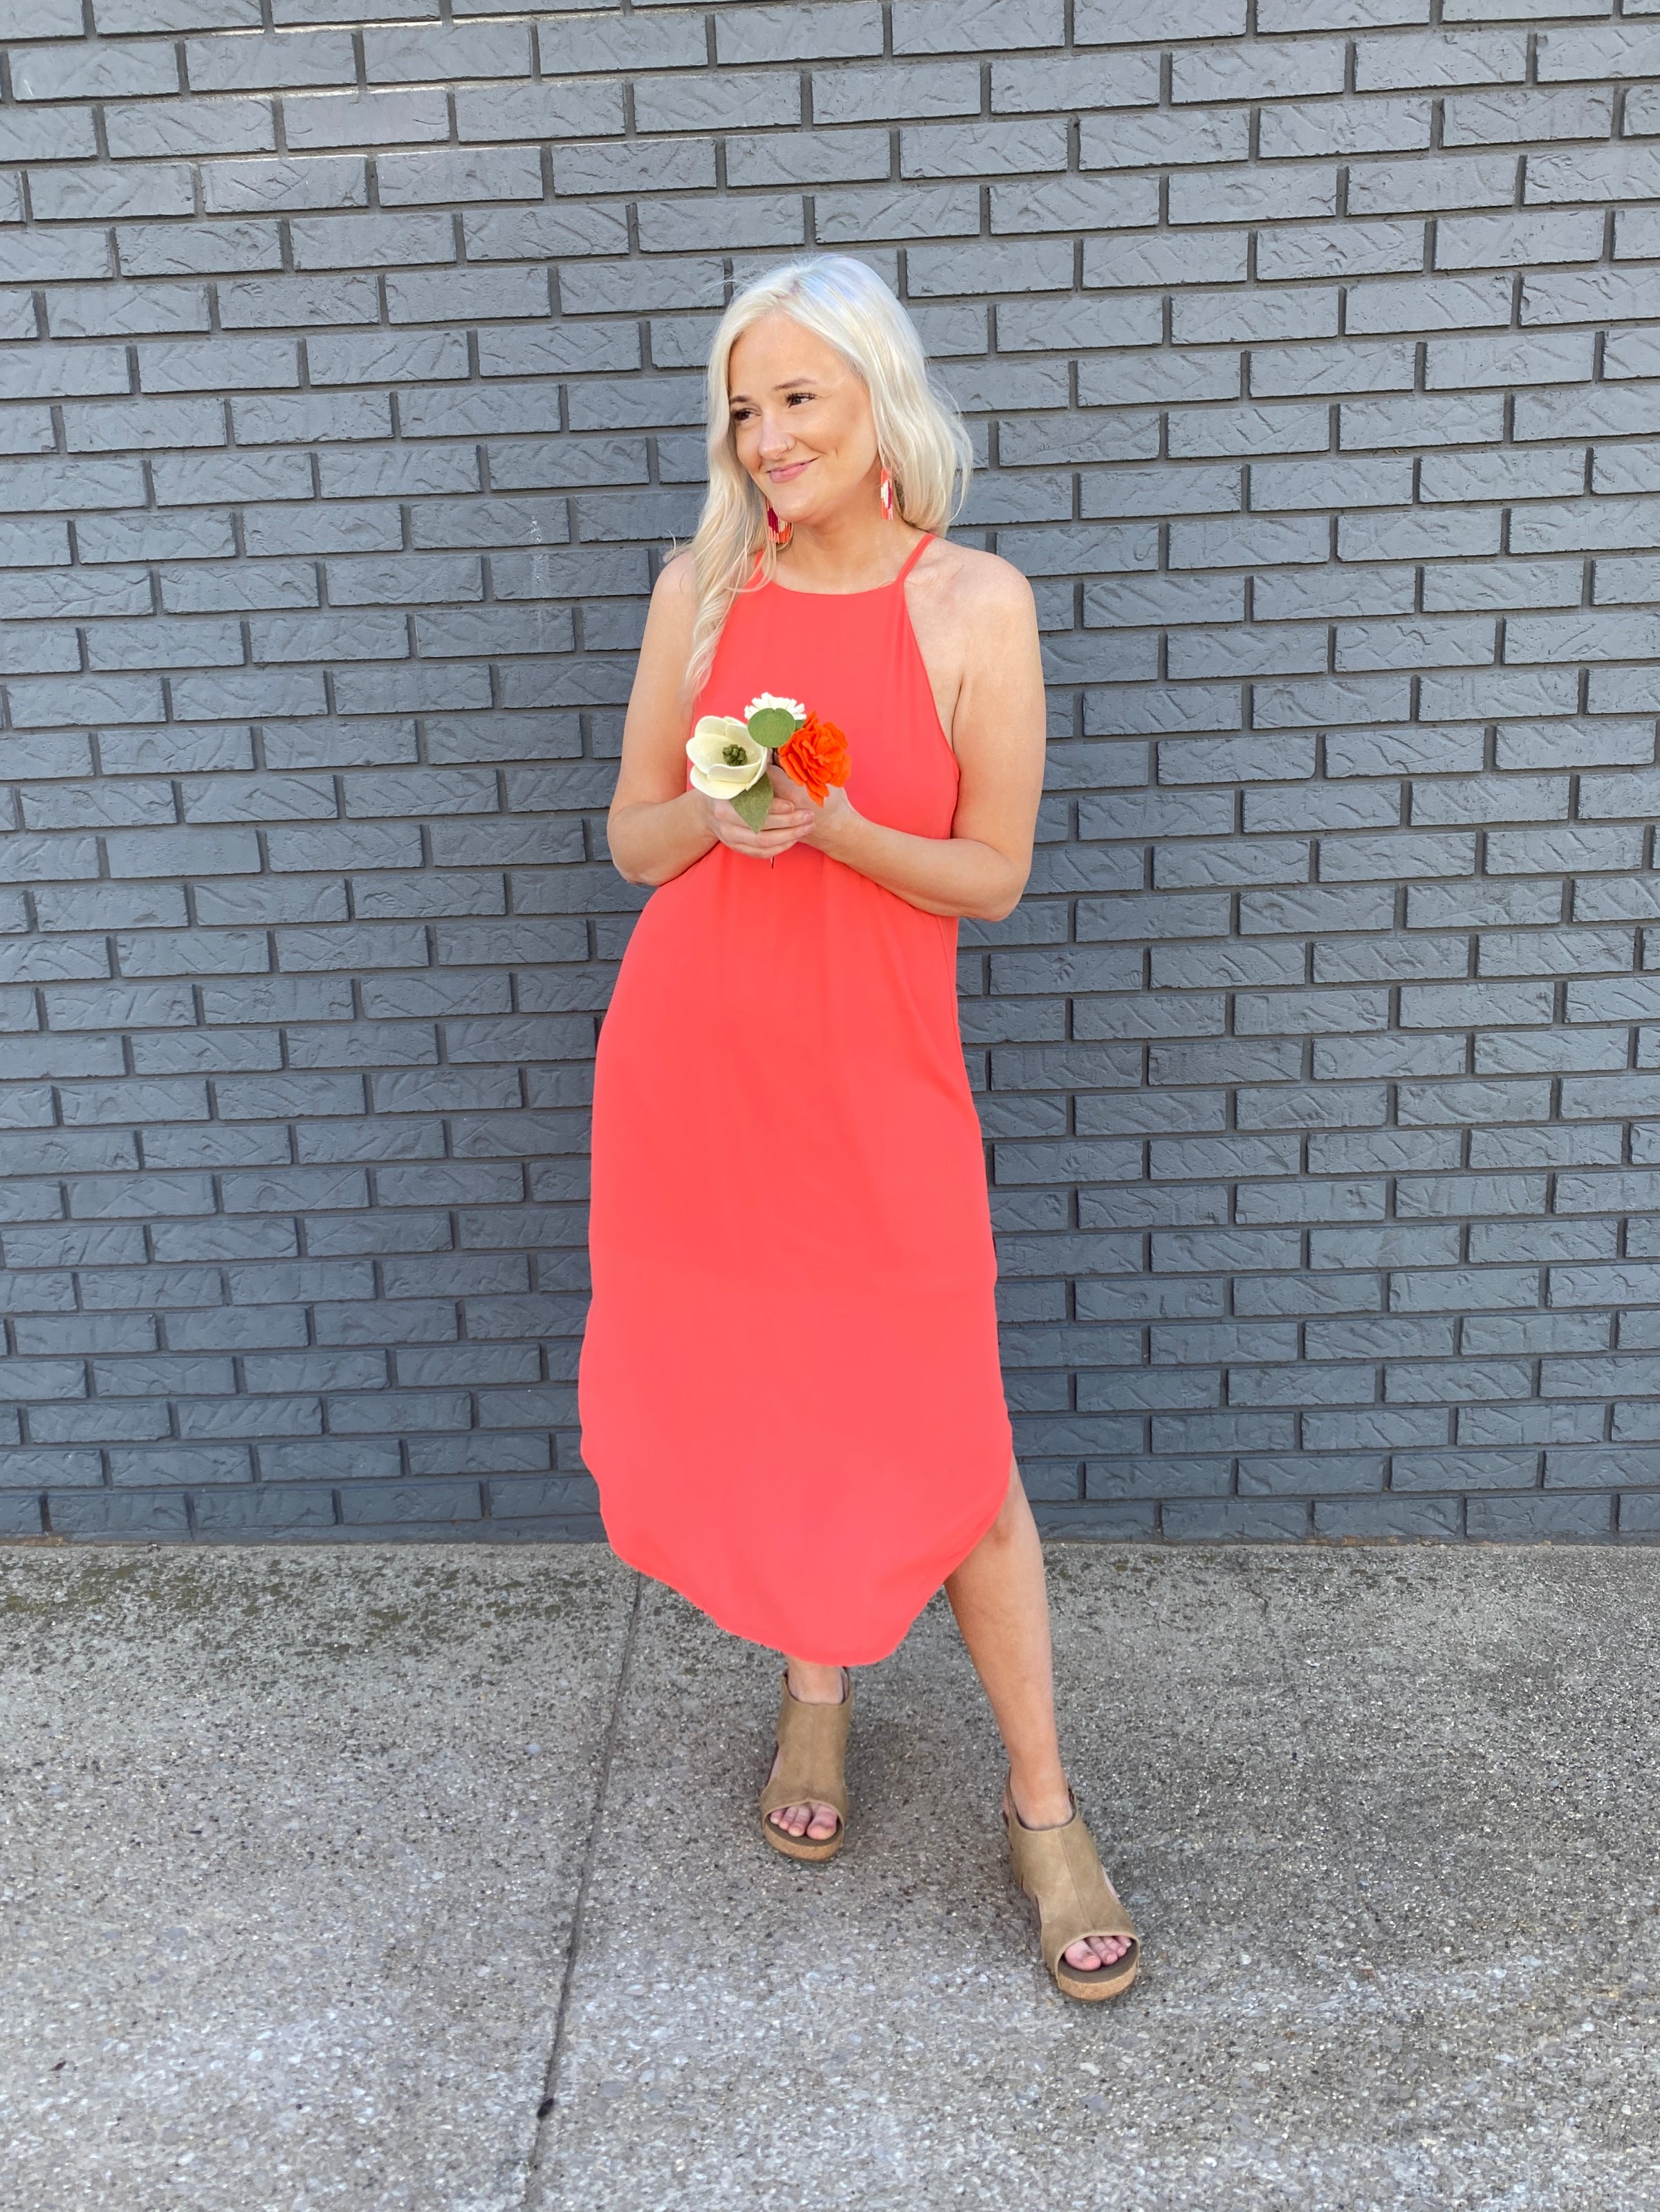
column 789, row 1386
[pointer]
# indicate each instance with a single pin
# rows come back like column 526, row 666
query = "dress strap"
column 915, row 555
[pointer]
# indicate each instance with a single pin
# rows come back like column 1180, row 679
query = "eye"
column 794, row 396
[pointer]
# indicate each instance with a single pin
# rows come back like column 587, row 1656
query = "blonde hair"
column 920, row 435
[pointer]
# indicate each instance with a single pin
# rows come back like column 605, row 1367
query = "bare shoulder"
column 979, row 588
column 677, row 581
column 672, row 614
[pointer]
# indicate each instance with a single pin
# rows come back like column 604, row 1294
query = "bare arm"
column 656, row 828
column 997, row 732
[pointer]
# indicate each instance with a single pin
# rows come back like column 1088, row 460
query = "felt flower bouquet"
column 730, row 757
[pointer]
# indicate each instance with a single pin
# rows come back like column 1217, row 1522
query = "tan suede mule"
column 1060, row 1873
column 812, row 1742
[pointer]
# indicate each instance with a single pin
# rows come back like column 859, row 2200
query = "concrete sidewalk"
column 427, row 1877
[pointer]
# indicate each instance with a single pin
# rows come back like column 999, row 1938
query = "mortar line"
column 579, row 1912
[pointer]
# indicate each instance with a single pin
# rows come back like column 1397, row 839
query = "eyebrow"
column 786, row 384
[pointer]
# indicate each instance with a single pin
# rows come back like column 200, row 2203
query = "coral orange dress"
column 789, row 1388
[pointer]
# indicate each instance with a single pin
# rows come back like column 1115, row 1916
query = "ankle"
column 809, row 1684
column 1041, row 1799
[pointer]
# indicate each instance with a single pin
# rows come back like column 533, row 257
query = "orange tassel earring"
column 778, row 531
column 886, row 494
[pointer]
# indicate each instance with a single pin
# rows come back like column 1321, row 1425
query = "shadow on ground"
column 429, row 1878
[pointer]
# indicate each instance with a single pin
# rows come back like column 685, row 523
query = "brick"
column 437, row 173
column 1135, row 142
column 527, row 233
column 1069, row 82
column 269, row 61
column 93, row 1513
column 1391, row 187
column 1164, row 258
column 439, row 294
column 110, row 193
column 126, row 310
column 972, row 25
column 125, row 16
column 752, row 101
column 976, row 149
column 791, row 157
column 316, row 122
column 804, row 33
column 190, row 127
column 1526, row 116
column 370, row 241
column 150, row 422
column 1073, row 203
column 1348, row 250
column 1466, row 1470
column 1597, row 51
column 92, row 71
column 1570, row 296
column 535, row 111
column 313, row 181
column 1389, row 1519
column 1481, row 58
column 1262, row 69
column 1533, row 1520
column 1431, row 303
column 444, row 53
column 1233, row 1520
column 379, row 472
column 1512, row 240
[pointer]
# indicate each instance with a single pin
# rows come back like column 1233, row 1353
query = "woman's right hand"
column 787, row 821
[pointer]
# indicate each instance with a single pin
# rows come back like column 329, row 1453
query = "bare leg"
column 814, row 1685
column 1001, row 1604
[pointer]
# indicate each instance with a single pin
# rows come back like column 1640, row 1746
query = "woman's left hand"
column 828, row 818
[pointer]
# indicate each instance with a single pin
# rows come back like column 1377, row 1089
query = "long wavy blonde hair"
column 919, row 433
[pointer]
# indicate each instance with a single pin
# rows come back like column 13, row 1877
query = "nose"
column 776, row 437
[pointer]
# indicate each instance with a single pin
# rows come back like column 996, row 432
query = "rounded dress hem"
column 829, row 1659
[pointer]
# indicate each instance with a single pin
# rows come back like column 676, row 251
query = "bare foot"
column 816, row 1821
column 1090, row 1952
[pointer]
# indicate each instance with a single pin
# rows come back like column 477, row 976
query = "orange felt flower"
column 816, row 757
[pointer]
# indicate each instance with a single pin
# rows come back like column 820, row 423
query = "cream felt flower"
column 724, row 759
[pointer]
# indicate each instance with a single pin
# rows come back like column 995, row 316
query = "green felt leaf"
column 754, row 804
column 773, row 725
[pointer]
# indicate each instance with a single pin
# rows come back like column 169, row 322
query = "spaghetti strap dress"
column 789, row 1386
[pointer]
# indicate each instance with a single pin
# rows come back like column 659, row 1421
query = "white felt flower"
column 764, row 700
column 724, row 759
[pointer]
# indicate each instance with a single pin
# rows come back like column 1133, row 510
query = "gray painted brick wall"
column 350, row 398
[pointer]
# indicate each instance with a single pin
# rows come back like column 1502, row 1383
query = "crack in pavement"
column 550, row 2091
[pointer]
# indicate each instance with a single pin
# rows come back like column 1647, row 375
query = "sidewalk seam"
column 591, row 1852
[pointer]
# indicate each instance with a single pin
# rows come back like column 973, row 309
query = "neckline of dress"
column 869, row 591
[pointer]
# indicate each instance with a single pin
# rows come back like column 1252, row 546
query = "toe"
column 817, row 1822
column 1091, row 1953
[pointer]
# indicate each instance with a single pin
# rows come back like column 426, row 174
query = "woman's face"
column 801, row 420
